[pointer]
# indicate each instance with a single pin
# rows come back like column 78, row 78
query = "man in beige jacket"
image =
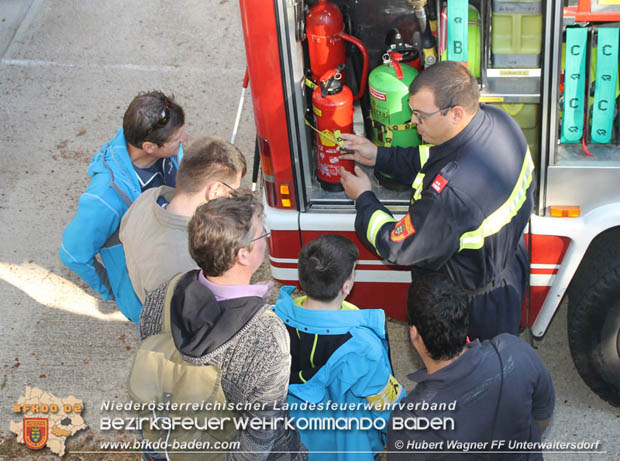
column 154, row 229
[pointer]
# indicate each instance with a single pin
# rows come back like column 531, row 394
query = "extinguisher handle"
column 364, row 51
column 396, row 57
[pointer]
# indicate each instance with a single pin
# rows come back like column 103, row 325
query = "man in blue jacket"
column 145, row 153
column 340, row 361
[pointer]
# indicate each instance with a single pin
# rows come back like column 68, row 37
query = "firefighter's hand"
column 354, row 184
column 362, row 150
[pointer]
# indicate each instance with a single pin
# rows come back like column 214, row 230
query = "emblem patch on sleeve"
column 439, row 183
column 403, row 229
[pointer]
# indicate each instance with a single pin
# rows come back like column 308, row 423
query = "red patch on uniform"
column 403, row 229
column 439, row 183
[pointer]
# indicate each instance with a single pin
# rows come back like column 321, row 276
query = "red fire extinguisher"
column 325, row 32
column 332, row 103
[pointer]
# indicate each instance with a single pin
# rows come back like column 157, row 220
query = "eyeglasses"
column 233, row 191
column 267, row 234
column 162, row 121
column 421, row 115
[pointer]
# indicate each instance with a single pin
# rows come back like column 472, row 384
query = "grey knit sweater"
column 255, row 365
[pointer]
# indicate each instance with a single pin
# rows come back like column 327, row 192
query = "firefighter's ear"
column 457, row 114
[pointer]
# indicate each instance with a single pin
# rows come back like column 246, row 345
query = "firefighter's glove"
column 354, row 184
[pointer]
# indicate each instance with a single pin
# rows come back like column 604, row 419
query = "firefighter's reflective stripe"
column 474, row 240
column 386, row 396
column 424, row 152
column 376, row 222
column 417, row 186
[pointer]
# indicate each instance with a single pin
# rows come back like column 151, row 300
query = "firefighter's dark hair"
column 325, row 264
column 219, row 229
column 439, row 309
column 209, row 159
column 152, row 117
column 451, row 83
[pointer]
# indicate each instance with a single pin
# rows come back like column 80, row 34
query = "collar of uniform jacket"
column 452, row 146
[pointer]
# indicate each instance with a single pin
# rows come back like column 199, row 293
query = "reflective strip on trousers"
column 474, row 240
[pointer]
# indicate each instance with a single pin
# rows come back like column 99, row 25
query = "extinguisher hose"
column 246, row 80
column 362, row 48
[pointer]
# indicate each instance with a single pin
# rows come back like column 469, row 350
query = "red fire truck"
column 536, row 59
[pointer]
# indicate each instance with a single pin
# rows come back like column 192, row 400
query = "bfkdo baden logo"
column 35, row 432
column 47, row 420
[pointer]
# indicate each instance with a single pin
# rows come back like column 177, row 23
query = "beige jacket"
column 155, row 242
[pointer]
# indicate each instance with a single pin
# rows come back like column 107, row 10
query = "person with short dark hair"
column 144, row 154
column 473, row 187
column 154, row 229
column 339, row 353
column 218, row 318
column 497, row 390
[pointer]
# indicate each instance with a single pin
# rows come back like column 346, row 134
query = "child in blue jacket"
column 340, row 371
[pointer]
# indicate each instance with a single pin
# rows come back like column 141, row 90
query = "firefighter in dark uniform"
column 473, row 186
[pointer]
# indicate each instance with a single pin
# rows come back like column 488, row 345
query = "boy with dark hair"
column 144, row 154
column 340, row 358
column 495, row 390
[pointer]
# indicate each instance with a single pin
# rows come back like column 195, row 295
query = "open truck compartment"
column 516, row 50
column 552, row 65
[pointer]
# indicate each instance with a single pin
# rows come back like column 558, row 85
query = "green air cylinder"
column 389, row 105
column 389, row 109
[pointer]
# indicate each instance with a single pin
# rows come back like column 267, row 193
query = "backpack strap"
column 165, row 326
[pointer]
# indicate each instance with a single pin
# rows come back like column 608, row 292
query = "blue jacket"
column 357, row 373
column 94, row 229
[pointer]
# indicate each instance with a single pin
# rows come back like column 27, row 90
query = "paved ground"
column 68, row 70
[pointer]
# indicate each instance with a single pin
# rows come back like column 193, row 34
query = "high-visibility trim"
column 301, row 378
column 316, row 339
column 474, row 240
column 424, row 152
column 377, row 220
column 298, row 335
column 386, row 396
column 418, row 182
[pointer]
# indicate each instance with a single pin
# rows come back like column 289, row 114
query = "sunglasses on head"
column 162, row 120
